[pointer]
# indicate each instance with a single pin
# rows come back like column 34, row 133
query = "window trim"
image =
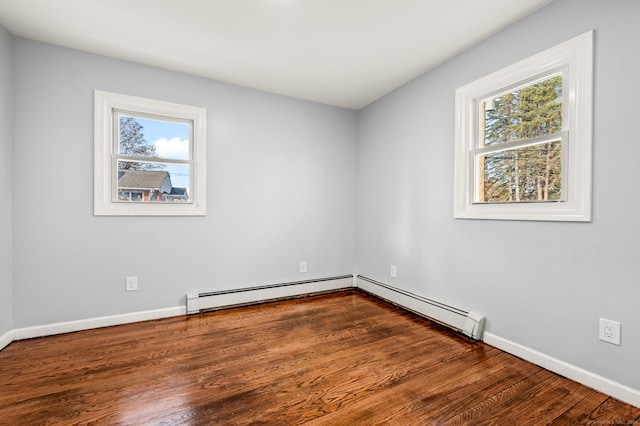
column 575, row 58
column 106, row 106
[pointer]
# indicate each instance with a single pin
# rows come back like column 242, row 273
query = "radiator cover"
column 467, row 322
column 198, row 302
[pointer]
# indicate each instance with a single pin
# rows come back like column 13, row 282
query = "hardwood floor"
column 338, row 359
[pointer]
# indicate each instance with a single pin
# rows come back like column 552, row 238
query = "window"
column 149, row 157
column 130, row 195
column 524, row 138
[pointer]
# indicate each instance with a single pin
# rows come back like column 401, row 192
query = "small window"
column 523, row 138
column 519, row 155
column 149, row 157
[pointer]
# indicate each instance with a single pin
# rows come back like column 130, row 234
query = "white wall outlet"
column 393, row 271
column 131, row 283
column 609, row 331
column 303, row 266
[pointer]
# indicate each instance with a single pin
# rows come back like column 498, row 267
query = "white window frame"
column 106, row 106
column 575, row 59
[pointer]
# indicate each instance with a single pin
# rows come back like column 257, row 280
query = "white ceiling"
column 346, row 53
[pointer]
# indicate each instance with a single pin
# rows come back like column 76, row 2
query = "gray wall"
column 6, row 298
column 280, row 190
column 543, row 285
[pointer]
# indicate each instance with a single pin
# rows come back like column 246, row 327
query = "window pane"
column 130, row 196
column 525, row 113
column 153, row 138
column 529, row 173
column 158, row 182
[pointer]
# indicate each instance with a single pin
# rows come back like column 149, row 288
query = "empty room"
column 319, row 212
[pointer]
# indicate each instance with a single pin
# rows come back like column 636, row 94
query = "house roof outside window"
column 150, row 182
column 145, row 180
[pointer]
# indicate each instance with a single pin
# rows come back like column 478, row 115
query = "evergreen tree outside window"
column 520, row 155
column 523, row 138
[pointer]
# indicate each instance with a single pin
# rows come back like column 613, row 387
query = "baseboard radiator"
column 199, row 302
column 469, row 323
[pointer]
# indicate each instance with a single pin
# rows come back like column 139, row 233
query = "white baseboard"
column 89, row 323
column 6, row 338
column 587, row 378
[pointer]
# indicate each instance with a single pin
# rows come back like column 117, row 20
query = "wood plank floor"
column 338, row 359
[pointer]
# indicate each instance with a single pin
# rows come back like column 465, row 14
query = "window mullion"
column 487, row 149
column 158, row 160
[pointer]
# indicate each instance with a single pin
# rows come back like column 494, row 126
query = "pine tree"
column 533, row 172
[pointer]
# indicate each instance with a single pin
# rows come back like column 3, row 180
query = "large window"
column 149, row 157
column 524, row 138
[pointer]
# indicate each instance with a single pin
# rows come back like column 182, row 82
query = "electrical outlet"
column 393, row 271
column 609, row 331
column 303, row 267
column 131, row 283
